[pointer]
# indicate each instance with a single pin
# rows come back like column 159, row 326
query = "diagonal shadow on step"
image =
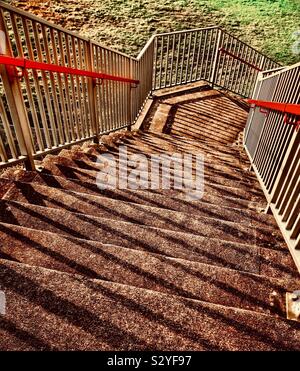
column 68, row 172
column 23, row 335
column 230, row 229
column 6, row 256
column 203, row 124
column 202, row 309
column 69, row 311
column 209, row 169
column 195, row 113
column 228, row 114
column 164, row 283
column 152, row 316
column 255, row 333
column 226, row 287
column 204, row 208
column 59, row 227
column 82, row 269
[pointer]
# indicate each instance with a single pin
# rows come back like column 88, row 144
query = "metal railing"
column 208, row 54
column 51, row 107
column 272, row 141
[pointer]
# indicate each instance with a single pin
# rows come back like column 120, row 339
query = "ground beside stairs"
column 84, row 268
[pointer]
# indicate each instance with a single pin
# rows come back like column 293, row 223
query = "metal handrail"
column 293, row 109
column 24, row 64
column 224, row 51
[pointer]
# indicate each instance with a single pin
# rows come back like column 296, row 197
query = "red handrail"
column 29, row 64
column 225, row 51
column 286, row 108
column 293, row 109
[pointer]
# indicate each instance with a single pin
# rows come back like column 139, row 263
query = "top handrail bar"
column 234, row 56
column 285, row 69
column 293, row 109
column 29, row 64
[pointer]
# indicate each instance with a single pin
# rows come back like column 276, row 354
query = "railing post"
column 262, row 62
column 13, row 92
column 91, row 92
column 216, row 58
column 130, row 94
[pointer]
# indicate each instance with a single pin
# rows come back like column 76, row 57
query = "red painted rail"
column 225, row 51
column 29, row 64
column 293, row 109
column 286, row 108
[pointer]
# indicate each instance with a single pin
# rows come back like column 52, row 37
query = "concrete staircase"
column 119, row 269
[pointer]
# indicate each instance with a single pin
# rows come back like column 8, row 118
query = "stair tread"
column 149, row 197
column 83, row 226
column 177, row 218
column 88, row 162
column 181, row 277
column 52, row 310
column 224, row 194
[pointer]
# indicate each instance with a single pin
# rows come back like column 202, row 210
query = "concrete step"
column 84, row 162
column 209, row 171
column 170, row 199
column 125, row 231
column 212, row 165
column 48, row 310
column 150, row 271
column 149, row 144
column 66, row 251
column 169, row 144
column 62, row 166
column 211, row 176
column 176, row 218
column 212, row 154
column 216, row 118
column 226, row 176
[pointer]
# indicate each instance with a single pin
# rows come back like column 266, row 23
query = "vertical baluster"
column 66, row 86
column 241, row 78
column 45, row 80
column 209, row 60
column 63, row 103
column 193, row 56
column 82, row 66
column 166, row 62
column 202, row 75
column 183, row 58
column 77, row 87
column 53, row 89
column 177, row 60
column 188, row 57
column 7, row 131
column 236, row 63
column 198, row 56
column 28, row 39
column 172, row 60
column 161, row 62
column 33, row 111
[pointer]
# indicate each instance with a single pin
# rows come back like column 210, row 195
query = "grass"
column 126, row 25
